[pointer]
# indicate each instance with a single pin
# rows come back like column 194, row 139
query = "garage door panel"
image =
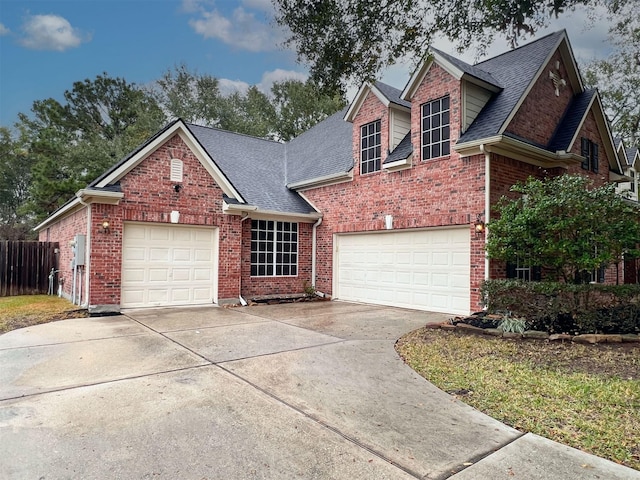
column 424, row 269
column 168, row 265
column 158, row 274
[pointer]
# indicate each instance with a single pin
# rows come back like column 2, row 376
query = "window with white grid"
column 436, row 132
column 370, row 147
column 274, row 248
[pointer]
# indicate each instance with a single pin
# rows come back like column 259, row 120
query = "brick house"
column 384, row 202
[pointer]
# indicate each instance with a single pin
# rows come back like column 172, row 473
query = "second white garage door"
column 166, row 265
column 421, row 269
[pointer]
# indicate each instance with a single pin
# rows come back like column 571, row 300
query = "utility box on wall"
column 78, row 247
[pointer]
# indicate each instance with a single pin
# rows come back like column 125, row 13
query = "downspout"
column 487, row 202
column 243, row 302
column 87, row 263
column 314, row 247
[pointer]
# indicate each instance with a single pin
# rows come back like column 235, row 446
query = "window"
column 518, row 271
column 632, row 174
column 435, row 129
column 274, row 248
column 589, row 151
column 370, row 147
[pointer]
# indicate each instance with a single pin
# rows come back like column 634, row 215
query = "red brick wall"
column 438, row 192
column 149, row 196
column 64, row 232
column 277, row 285
column 542, row 110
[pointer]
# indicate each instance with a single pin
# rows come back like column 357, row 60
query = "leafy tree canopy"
column 345, row 40
column 618, row 78
column 290, row 108
column 564, row 225
column 69, row 144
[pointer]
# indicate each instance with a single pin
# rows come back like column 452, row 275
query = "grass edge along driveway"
column 584, row 396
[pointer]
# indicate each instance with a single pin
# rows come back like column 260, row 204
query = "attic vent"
column 176, row 170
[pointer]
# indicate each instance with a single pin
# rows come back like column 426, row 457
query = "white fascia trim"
column 323, row 181
column 357, row 102
column 210, row 165
column 237, row 209
column 89, row 196
column 601, row 121
column 416, row 78
column 256, row 214
column 518, row 150
column 525, row 94
column 398, row 164
column 180, row 128
column 69, row 208
column 360, row 98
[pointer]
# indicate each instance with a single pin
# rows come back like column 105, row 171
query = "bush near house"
column 567, row 308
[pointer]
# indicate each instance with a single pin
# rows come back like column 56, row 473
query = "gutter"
column 322, row 181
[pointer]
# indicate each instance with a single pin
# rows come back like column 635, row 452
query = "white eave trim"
column 256, row 213
column 416, row 78
column 88, row 195
column 398, row 164
column 181, row 129
column 325, row 180
column 518, row 150
column 65, row 210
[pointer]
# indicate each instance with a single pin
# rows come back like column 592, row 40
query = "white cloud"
column 242, row 29
column 4, row 30
column 279, row 75
column 228, row 87
column 50, row 32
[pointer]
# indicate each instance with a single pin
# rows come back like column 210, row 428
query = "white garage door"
column 421, row 269
column 168, row 265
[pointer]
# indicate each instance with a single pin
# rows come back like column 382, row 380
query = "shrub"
column 567, row 308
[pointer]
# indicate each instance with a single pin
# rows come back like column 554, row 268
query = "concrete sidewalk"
column 305, row 390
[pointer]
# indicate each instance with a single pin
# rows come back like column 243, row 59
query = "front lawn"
column 27, row 310
column 585, row 396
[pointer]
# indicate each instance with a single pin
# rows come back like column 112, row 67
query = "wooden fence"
column 25, row 267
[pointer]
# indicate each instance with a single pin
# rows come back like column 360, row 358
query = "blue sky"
column 46, row 45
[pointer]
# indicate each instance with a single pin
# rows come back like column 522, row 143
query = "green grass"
column 587, row 397
column 26, row 310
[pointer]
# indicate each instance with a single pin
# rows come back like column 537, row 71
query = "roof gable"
column 389, row 96
column 177, row 127
column 517, row 70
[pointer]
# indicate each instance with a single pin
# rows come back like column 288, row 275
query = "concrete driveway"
column 305, row 390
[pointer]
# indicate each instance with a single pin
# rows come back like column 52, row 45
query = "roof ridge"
column 509, row 52
column 223, row 130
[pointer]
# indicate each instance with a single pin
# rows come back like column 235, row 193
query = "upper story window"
column 632, row 174
column 436, row 129
column 589, row 151
column 370, row 147
column 274, row 248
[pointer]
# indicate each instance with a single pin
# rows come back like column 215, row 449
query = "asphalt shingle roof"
column 323, row 150
column 515, row 70
column 392, row 94
column 571, row 121
column 255, row 167
column 402, row 151
column 472, row 70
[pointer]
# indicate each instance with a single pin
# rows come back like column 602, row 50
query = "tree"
column 563, row 225
column 291, row 107
column 71, row 143
column 345, row 40
column 300, row 105
column 193, row 97
column 618, row 79
column 15, row 177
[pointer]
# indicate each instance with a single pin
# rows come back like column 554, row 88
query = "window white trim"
column 274, row 248
column 435, row 128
